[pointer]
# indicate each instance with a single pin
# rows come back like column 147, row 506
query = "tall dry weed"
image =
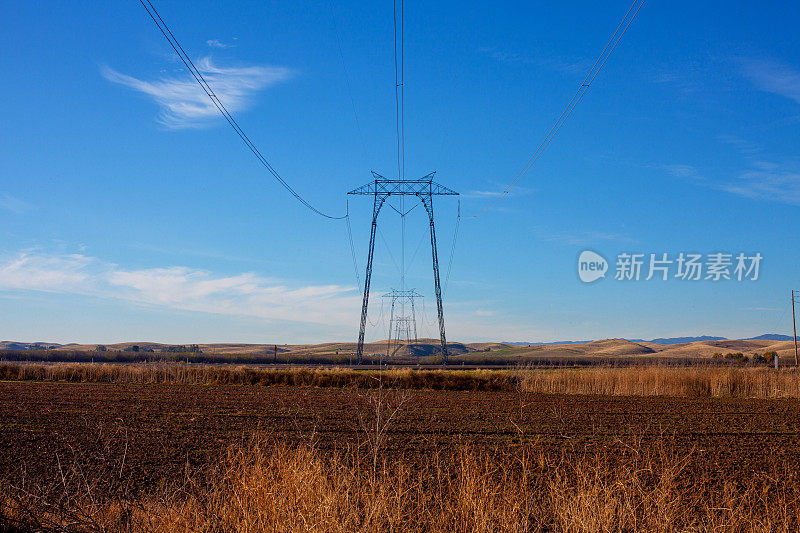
column 745, row 382
column 267, row 485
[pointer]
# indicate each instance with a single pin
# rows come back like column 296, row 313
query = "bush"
column 739, row 357
column 770, row 356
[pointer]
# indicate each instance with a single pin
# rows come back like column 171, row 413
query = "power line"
column 402, row 88
column 398, row 91
column 416, row 251
column 400, row 127
column 612, row 43
column 389, row 249
column 352, row 247
column 347, row 82
column 198, row 76
column 380, row 317
column 452, row 249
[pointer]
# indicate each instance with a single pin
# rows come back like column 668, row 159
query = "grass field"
column 631, row 380
column 184, row 448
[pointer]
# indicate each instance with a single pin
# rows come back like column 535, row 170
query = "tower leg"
column 429, row 207
column 376, row 208
column 414, row 319
column 391, row 321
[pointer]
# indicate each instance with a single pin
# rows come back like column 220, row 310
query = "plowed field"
column 155, row 431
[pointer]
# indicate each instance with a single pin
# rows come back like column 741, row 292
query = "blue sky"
column 130, row 211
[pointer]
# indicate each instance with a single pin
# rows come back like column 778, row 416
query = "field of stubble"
column 117, row 449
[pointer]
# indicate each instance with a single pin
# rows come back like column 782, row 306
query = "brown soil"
column 160, row 429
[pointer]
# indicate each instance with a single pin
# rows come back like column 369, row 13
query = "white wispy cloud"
column 542, row 59
column 743, row 146
column 182, row 102
column 484, row 194
column 684, row 171
column 516, row 190
column 773, row 76
column 581, row 238
column 768, row 181
column 179, row 287
column 306, row 311
column 15, row 205
column 66, row 273
column 763, row 180
column 215, row 43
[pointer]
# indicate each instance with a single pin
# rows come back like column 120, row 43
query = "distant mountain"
column 545, row 343
column 682, row 340
column 771, row 337
column 672, row 340
column 669, row 340
column 14, row 345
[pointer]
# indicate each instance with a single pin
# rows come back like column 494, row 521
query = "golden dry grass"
column 746, row 382
column 666, row 381
column 262, row 485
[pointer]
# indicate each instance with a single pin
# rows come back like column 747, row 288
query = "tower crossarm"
column 424, row 186
column 396, row 293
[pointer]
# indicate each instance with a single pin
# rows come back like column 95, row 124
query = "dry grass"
column 262, row 485
column 663, row 381
column 628, row 484
column 241, row 375
column 747, row 382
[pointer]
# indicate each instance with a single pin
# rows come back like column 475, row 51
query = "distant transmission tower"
column 380, row 189
column 401, row 326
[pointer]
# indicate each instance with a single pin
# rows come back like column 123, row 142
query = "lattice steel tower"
column 401, row 326
column 424, row 189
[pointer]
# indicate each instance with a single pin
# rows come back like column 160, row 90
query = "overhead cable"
column 198, row 76
column 612, row 43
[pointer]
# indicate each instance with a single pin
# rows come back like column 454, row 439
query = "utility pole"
column 794, row 326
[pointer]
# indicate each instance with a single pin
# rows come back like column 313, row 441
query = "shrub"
column 739, row 357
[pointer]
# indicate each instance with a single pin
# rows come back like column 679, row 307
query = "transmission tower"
column 401, row 326
column 380, row 189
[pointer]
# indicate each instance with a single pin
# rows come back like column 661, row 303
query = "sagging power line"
column 612, row 43
column 198, row 76
column 381, row 188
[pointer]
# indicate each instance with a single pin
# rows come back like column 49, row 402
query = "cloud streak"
column 182, row 288
column 215, row 43
column 517, row 190
column 542, row 59
column 764, row 180
column 182, row 102
column 581, row 238
column 15, row 205
column 767, row 181
column 773, row 77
